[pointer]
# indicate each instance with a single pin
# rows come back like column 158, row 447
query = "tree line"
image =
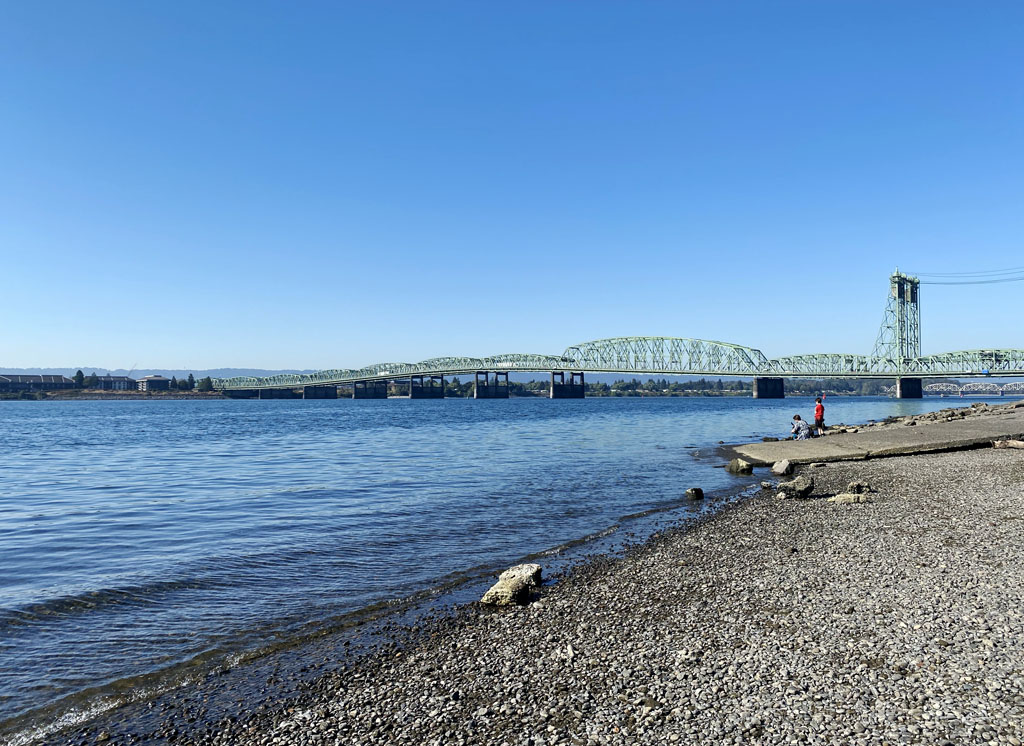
column 92, row 381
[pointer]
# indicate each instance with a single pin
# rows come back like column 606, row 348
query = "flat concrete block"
column 927, row 437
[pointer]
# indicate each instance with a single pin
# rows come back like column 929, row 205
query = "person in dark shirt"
column 819, row 416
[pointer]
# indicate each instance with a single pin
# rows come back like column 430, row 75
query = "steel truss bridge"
column 664, row 356
column 897, row 354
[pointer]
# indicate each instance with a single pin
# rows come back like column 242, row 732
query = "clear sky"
column 311, row 185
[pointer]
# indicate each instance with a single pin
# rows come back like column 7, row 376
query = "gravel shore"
column 899, row 620
column 895, row 621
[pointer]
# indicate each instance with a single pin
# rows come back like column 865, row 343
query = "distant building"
column 10, row 383
column 154, row 383
column 115, row 383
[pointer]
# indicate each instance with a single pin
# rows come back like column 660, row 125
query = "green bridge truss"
column 665, row 356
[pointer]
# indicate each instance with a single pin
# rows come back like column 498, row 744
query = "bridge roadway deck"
column 1003, row 422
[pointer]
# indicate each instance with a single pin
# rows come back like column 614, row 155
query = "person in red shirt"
column 819, row 416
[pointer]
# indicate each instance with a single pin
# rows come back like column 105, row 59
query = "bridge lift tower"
column 899, row 338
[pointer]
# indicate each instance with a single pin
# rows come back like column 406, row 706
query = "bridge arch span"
column 831, row 364
column 667, row 355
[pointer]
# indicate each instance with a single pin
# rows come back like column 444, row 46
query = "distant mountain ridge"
column 140, row 372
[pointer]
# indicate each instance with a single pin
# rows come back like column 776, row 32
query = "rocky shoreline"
column 896, row 619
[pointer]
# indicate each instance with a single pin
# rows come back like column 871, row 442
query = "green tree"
column 79, row 379
column 174, row 383
column 191, row 382
column 205, row 384
column 91, row 381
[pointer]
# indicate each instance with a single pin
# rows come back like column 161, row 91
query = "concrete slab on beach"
column 979, row 429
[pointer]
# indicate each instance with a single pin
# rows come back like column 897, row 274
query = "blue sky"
column 309, row 185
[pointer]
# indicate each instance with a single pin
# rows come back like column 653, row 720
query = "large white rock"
column 514, row 586
column 782, row 468
column 739, row 466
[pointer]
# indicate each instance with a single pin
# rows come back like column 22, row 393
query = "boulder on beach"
column 859, row 488
column 799, row 487
column 695, row 493
column 514, row 586
column 739, row 466
column 782, row 468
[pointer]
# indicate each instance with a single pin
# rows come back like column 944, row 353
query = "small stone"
column 847, row 498
column 695, row 493
column 1018, row 444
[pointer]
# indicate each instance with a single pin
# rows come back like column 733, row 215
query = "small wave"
column 40, row 732
column 96, row 600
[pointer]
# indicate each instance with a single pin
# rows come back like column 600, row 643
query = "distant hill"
column 140, row 372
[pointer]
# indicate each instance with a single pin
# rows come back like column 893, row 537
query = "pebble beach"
column 898, row 620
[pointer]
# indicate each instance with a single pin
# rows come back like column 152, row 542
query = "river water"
column 141, row 541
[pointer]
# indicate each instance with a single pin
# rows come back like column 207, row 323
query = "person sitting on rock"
column 801, row 429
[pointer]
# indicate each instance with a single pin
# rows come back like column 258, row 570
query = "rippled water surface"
column 146, row 538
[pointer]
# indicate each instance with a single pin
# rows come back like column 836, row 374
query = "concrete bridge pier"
column 909, row 388
column 370, row 390
column 575, row 389
column 487, row 388
column 769, row 388
column 277, row 394
column 319, row 392
column 426, row 387
column 241, row 393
